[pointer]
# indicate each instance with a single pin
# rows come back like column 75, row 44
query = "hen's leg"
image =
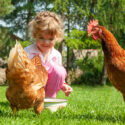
column 39, row 105
column 14, row 109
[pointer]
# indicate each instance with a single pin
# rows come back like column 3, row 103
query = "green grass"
column 86, row 106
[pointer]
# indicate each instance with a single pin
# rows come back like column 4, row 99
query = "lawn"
column 86, row 106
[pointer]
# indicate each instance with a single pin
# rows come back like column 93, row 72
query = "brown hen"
column 114, row 55
column 26, row 80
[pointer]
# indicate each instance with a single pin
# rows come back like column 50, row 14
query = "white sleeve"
column 59, row 59
column 27, row 50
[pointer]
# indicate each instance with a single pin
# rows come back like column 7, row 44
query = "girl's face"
column 45, row 42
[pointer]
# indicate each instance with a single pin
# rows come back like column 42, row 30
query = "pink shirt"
column 56, row 72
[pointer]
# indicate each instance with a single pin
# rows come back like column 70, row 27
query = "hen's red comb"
column 91, row 24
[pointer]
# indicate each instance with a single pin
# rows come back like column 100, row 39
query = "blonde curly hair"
column 49, row 23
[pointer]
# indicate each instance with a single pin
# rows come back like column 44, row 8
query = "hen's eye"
column 51, row 39
column 40, row 37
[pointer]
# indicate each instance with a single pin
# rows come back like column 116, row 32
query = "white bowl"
column 54, row 104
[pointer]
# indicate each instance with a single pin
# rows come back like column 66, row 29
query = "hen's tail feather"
column 18, row 64
column 16, row 57
column 20, row 61
column 11, row 57
column 22, row 70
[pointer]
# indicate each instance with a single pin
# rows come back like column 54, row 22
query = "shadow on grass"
column 4, row 104
column 6, row 112
column 9, row 114
column 99, row 117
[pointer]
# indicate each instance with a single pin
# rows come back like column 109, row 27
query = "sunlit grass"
column 86, row 106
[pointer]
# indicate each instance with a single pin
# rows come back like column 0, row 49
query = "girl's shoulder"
column 55, row 51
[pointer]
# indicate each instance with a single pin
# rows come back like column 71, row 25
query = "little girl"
column 46, row 29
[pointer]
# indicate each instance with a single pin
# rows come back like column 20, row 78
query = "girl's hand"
column 66, row 89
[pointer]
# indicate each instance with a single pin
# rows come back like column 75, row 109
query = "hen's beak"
column 90, row 34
